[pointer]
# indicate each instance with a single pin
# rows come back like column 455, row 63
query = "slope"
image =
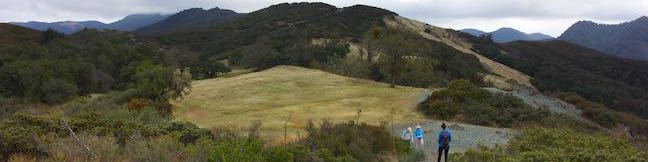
column 461, row 41
column 626, row 40
column 284, row 34
column 13, row 34
column 272, row 95
column 190, row 18
column 135, row 21
column 561, row 66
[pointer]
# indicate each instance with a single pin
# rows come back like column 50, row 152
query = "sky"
column 551, row 17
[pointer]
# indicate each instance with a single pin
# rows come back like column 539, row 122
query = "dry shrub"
column 22, row 158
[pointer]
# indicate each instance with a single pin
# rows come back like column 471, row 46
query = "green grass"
column 271, row 95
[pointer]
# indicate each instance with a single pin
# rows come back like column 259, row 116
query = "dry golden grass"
column 441, row 35
column 271, row 95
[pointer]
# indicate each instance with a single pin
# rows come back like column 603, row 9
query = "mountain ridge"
column 187, row 19
column 626, row 40
column 507, row 34
column 128, row 23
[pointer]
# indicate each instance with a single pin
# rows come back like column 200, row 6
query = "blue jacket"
column 418, row 133
column 440, row 140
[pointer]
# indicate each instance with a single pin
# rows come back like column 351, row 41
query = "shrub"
column 58, row 91
column 545, row 144
column 465, row 101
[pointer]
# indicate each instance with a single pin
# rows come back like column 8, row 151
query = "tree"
column 396, row 46
column 209, row 68
column 57, row 91
column 156, row 82
column 151, row 81
column 49, row 35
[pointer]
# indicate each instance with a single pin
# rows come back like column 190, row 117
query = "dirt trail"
column 464, row 136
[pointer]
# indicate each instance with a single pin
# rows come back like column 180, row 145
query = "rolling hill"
column 281, row 29
column 190, row 18
column 272, row 95
column 625, row 40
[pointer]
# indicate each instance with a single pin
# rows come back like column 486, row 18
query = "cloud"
column 548, row 16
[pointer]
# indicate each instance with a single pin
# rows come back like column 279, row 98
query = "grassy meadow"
column 274, row 95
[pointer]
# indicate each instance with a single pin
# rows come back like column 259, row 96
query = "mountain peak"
column 506, row 29
column 507, row 34
column 624, row 40
column 189, row 18
column 641, row 19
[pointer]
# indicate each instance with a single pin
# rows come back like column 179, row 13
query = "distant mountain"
column 128, row 23
column 190, row 18
column 66, row 27
column 135, row 21
column 473, row 32
column 626, row 40
column 504, row 35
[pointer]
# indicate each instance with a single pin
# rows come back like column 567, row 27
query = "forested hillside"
column 54, row 68
column 190, row 18
column 283, row 34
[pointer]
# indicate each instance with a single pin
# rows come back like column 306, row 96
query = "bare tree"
column 286, row 128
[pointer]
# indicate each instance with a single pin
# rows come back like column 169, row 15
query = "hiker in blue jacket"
column 445, row 136
column 418, row 133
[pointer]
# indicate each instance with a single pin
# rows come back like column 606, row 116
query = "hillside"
column 625, row 40
column 135, row 21
column 464, row 43
column 190, row 18
column 87, row 62
column 272, row 36
column 271, row 95
column 562, row 66
column 12, row 34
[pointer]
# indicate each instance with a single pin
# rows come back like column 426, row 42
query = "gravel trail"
column 464, row 136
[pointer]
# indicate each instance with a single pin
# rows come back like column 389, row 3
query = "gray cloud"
column 547, row 16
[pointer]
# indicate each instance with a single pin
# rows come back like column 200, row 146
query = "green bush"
column 467, row 102
column 545, row 144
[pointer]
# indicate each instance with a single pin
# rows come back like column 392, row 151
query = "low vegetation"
column 550, row 144
column 124, row 134
column 464, row 101
column 606, row 117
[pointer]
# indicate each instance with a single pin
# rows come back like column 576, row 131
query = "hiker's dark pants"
column 441, row 150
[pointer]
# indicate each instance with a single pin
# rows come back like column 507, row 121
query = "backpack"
column 445, row 138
